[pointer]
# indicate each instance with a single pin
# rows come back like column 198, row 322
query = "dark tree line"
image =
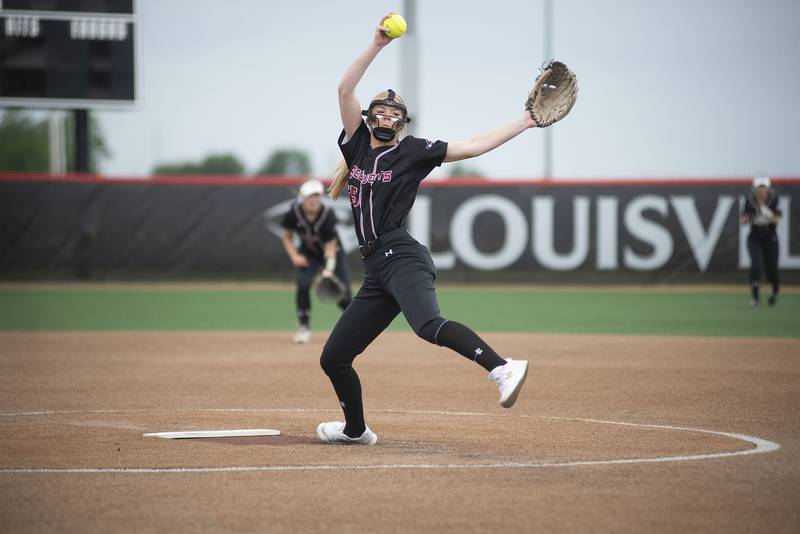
column 25, row 143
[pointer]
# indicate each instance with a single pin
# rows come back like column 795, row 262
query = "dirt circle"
column 112, row 440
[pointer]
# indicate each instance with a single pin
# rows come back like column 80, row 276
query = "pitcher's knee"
column 327, row 363
column 333, row 364
column 429, row 329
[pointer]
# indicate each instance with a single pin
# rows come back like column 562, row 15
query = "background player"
column 762, row 212
column 382, row 175
column 315, row 225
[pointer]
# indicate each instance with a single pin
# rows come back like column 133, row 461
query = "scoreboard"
column 77, row 54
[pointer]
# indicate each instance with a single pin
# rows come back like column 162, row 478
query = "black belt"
column 371, row 246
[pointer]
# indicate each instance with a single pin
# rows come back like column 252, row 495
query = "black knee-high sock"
column 348, row 390
column 464, row 341
column 303, row 302
column 754, row 285
column 775, row 286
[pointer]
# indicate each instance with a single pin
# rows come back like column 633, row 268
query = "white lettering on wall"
column 516, row 232
column 606, row 233
column 701, row 242
column 651, row 233
column 22, row 26
column 98, row 29
column 614, row 239
column 543, row 233
column 744, row 230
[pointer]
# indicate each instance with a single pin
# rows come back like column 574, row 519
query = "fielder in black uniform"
column 762, row 213
column 315, row 224
column 381, row 175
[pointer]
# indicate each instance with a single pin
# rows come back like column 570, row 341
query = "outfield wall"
column 211, row 227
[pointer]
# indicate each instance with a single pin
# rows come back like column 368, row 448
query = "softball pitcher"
column 381, row 174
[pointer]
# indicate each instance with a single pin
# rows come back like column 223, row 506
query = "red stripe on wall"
column 288, row 181
column 601, row 182
column 155, row 180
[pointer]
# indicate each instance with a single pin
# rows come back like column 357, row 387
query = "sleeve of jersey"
column 352, row 146
column 289, row 220
column 427, row 155
column 774, row 207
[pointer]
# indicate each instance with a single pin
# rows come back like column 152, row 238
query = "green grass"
column 506, row 310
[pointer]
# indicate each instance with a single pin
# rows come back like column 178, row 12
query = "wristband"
column 330, row 264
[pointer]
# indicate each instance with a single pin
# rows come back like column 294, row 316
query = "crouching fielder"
column 381, row 175
column 320, row 249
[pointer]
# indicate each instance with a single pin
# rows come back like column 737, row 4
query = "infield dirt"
column 449, row 458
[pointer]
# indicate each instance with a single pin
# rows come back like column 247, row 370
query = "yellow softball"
column 395, row 26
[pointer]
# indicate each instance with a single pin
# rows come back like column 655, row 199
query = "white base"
column 214, row 433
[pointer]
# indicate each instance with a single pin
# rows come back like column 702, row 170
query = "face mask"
column 383, row 134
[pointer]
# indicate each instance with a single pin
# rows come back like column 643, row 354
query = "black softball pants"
column 305, row 277
column 398, row 277
column 763, row 256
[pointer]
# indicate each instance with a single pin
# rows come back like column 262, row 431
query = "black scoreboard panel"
column 85, row 6
column 67, row 53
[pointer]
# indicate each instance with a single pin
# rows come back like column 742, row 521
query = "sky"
column 667, row 88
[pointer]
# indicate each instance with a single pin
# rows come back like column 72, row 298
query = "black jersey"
column 313, row 234
column 751, row 209
column 383, row 181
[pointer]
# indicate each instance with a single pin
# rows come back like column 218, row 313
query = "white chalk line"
column 247, row 410
column 761, row 446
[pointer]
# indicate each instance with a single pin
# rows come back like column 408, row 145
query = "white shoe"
column 303, row 335
column 509, row 378
column 333, row 432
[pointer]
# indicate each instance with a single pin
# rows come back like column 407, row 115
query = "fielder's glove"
column 553, row 95
column 764, row 216
column 329, row 288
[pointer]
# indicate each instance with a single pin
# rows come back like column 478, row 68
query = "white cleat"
column 510, row 378
column 333, row 432
column 303, row 335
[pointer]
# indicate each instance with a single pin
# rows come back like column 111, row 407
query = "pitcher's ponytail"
column 339, row 180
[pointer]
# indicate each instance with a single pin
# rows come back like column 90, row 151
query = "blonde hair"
column 339, row 179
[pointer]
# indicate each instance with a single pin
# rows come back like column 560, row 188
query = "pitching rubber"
column 214, row 433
